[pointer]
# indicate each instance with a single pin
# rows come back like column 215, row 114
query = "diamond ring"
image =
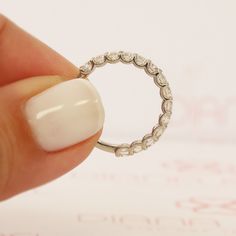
column 159, row 79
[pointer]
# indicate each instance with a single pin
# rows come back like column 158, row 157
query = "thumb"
column 47, row 127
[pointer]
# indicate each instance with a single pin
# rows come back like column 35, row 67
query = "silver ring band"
column 159, row 79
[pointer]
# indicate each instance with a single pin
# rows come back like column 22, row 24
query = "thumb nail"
column 65, row 114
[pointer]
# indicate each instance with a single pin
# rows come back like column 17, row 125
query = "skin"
column 25, row 64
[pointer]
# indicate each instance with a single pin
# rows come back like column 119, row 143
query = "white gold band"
column 165, row 93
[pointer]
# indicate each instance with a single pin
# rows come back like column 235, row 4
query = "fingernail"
column 65, row 114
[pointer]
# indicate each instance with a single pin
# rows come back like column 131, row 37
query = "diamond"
column 165, row 118
column 157, row 132
column 140, row 61
column 87, row 67
column 166, row 92
column 137, row 146
column 152, row 69
column 148, row 140
column 122, row 150
column 167, row 105
column 160, row 80
column 99, row 60
column 127, row 57
column 113, row 56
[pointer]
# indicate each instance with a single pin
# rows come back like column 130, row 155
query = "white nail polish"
column 65, row 114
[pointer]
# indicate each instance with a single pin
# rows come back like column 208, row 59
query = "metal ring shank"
column 106, row 146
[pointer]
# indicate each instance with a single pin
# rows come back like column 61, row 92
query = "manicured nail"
column 65, row 114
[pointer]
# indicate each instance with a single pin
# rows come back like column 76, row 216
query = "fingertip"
column 74, row 131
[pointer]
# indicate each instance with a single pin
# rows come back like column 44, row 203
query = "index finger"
column 22, row 56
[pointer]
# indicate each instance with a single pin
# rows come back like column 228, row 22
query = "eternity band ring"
column 160, row 81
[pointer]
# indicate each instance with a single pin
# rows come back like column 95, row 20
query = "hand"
column 37, row 149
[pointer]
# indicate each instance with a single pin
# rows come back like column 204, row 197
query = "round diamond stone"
column 148, row 140
column 167, row 106
column 87, row 67
column 166, row 92
column 165, row 118
column 157, row 132
column 152, row 69
column 137, row 146
column 160, row 80
column 123, row 150
column 140, row 61
column 99, row 60
column 127, row 57
column 113, row 56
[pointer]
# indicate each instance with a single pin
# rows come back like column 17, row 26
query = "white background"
column 185, row 184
